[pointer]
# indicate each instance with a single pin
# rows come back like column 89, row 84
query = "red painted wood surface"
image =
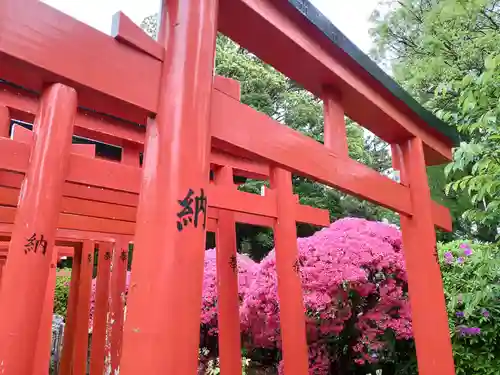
column 157, row 343
column 22, row 294
column 118, row 284
column 279, row 138
column 43, row 347
column 59, row 56
column 227, row 285
column 101, row 308
column 428, row 307
column 277, row 23
column 126, row 179
column 100, row 196
column 126, row 31
column 334, row 123
column 71, row 315
column 292, row 316
column 137, row 82
column 4, row 121
column 81, row 338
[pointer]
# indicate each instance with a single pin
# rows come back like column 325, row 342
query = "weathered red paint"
column 117, row 297
column 22, row 294
column 81, row 338
column 101, row 308
column 42, row 354
column 71, row 314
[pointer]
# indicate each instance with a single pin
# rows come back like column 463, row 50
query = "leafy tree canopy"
column 445, row 52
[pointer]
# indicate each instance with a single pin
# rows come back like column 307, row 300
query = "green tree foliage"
column 61, row 293
column 430, row 46
column 471, row 283
column 476, row 164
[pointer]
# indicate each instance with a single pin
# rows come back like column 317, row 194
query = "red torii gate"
column 40, row 46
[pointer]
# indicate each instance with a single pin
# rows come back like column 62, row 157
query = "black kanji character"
column 89, row 257
column 43, row 243
column 31, row 244
column 185, row 215
column 107, row 255
column 123, row 255
column 200, row 207
column 296, row 266
column 233, row 263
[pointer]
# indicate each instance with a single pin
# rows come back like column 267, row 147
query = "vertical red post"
column 71, row 316
column 80, row 348
column 227, row 285
column 130, row 155
column 42, row 353
column 2, row 264
column 335, row 136
column 396, row 157
column 4, row 122
column 118, row 288
column 30, row 252
column 292, row 316
column 429, row 316
column 98, row 346
column 162, row 329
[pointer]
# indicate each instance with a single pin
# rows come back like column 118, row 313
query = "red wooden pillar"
column 2, row 264
column 429, row 316
column 130, row 154
column 71, row 316
column 100, row 317
column 335, row 135
column 80, row 348
column 31, row 246
column 4, row 122
column 292, row 316
column 42, row 353
column 163, row 316
column 118, row 285
column 227, row 285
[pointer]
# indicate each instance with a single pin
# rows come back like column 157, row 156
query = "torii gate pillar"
column 161, row 334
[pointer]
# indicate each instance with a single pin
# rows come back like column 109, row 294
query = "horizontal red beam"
column 317, row 63
column 125, row 179
column 40, row 44
column 62, row 251
column 292, row 150
column 304, row 156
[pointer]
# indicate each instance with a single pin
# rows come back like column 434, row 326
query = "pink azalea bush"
column 246, row 271
column 354, row 285
column 355, row 296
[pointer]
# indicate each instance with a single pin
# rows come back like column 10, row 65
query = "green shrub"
column 61, row 294
column 471, row 276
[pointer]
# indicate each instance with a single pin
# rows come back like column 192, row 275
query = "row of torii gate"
column 161, row 98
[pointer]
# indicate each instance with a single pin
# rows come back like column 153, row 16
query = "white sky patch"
column 350, row 17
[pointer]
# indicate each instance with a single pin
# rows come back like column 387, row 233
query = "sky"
column 351, row 17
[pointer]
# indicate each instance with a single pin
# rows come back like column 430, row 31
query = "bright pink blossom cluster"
column 246, row 273
column 352, row 273
column 353, row 276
